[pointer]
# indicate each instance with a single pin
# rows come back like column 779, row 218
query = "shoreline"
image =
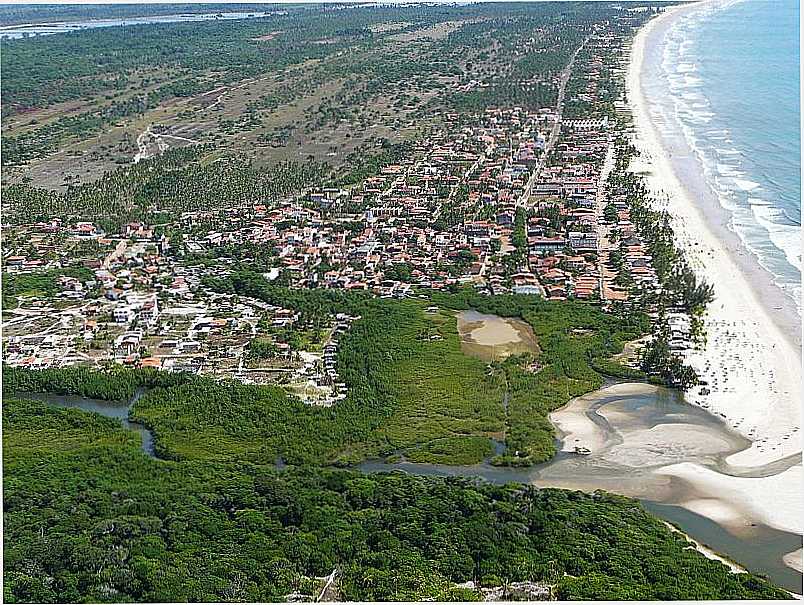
column 760, row 281
column 706, row 551
column 647, row 443
column 752, row 357
column 752, row 352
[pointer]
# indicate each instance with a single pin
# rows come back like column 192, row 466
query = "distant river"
column 118, row 410
column 46, row 29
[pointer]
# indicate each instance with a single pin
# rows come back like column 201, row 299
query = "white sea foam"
column 783, row 234
column 746, row 185
column 728, row 170
column 728, row 177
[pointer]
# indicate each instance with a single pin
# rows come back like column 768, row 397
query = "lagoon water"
column 46, row 29
column 731, row 80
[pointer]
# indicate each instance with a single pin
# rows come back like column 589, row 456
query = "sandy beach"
column 647, row 443
column 752, row 357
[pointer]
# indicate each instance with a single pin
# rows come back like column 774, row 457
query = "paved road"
column 565, row 76
column 602, row 228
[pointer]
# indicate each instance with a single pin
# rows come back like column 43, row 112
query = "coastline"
column 706, row 551
column 693, row 185
column 752, row 356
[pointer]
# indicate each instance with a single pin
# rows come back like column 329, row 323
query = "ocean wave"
column 728, row 170
column 746, row 184
column 749, row 176
column 786, row 238
column 741, row 186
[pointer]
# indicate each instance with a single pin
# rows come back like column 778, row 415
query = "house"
column 150, row 310
column 127, row 344
column 547, row 244
column 123, row 314
column 583, row 241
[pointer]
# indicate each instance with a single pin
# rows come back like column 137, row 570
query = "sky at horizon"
column 129, row 2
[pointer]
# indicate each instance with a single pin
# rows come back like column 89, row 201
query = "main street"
column 554, row 131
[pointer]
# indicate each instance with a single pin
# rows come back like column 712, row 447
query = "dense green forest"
column 408, row 389
column 89, row 517
column 114, row 384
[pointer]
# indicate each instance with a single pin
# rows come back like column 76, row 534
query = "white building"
column 124, row 314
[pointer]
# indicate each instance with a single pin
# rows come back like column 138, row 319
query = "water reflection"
column 633, row 431
column 111, row 409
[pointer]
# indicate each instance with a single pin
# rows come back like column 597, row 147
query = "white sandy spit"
column 774, row 501
column 794, row 560
column 708, row 552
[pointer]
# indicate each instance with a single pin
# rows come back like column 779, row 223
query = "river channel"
column 111, row 409
column 637, row 435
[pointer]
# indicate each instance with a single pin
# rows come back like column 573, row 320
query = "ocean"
column 732, row 70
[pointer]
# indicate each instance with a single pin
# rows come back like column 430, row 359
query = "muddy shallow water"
column 490, row 337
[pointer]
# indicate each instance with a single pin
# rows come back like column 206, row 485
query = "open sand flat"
column 491, row 337
column 622, row 426
column 742, row 500
column 752, row 359
column 576, row 428
column 666, row 444
column 794, row 559
column 646, row 442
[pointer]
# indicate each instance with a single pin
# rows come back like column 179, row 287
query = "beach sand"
column 752, row 358
column 794, row 559
column 708, row 552
column 742, row 500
